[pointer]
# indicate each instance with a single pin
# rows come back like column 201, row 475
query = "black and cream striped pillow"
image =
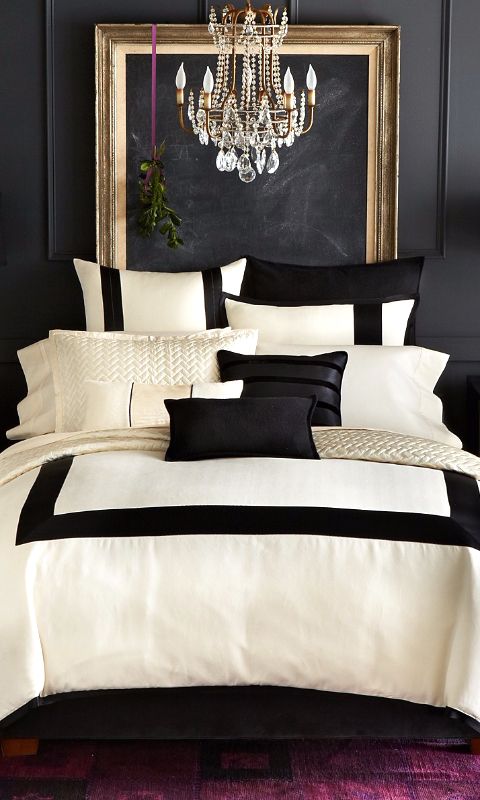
column 290, row 376
column 147, row 302
column 294, row 283
column 371, row 321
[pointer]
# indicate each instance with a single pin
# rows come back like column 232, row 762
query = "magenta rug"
column 305, row 770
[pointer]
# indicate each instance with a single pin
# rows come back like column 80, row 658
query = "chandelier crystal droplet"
column 244, row 109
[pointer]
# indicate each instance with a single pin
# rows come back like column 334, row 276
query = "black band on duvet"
column 40, row 503
column 38, row 521
column 464, row 499
column 367, row 323
column 112, row 299
column 212, row 290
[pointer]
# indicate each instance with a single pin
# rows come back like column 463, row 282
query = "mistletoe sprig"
column 155, row 210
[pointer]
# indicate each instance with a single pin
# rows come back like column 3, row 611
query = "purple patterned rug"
column 300, row 770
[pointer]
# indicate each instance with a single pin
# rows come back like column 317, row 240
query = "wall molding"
column 203, row 11
column 439, row 251
column 293, row 11
column 55, row 253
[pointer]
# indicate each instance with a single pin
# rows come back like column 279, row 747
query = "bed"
column 239, row 595
column 358, row 595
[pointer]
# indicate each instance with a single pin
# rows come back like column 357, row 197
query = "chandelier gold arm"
column 308, row 127
column 207, row 122
column 181, row 120
column 311, row 110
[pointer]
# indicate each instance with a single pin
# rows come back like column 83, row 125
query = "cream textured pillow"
column 36, row 412
column 390, row 388
column 141, row 405
column 79, row 356
column 134, row 300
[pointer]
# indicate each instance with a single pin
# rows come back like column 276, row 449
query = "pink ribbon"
column 154, row 90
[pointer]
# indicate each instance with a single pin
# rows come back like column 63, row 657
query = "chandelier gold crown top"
column 244, row 110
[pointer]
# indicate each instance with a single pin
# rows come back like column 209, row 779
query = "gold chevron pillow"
column 80, row 356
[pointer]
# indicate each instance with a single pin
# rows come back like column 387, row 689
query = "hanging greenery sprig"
column 155, row 211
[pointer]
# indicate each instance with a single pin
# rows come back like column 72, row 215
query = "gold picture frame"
column 381, row 44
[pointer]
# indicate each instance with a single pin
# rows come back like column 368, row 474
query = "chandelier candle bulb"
column 181, row 78
column 311, row 85
column 180, row 81
column 243, row 109
column 311, row 79
column 288, row 82
column 208, row 82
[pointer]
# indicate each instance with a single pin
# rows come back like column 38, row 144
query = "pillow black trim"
column 212, row 292
column 111, row 299
column 342, row 301
column 272, row 427
column 290, row 376
column 367, row 323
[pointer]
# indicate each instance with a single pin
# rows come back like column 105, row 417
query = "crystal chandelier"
column 244, row 110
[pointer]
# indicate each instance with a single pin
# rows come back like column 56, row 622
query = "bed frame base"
column 11, row 748
column 240, row 712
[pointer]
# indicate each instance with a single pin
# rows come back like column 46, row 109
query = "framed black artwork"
column 332, row 200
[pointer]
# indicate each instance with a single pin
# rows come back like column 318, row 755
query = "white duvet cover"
column 356, row 573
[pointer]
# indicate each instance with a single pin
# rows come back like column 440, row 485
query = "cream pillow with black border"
column 144, row 302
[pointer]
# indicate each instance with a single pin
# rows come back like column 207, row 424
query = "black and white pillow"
column 112, row 405
column 292, row 283
column 275, row 427
column 153, row 302
column 290, row 376
column 373, row 321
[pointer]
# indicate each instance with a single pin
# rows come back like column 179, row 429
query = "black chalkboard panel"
column 311, row 211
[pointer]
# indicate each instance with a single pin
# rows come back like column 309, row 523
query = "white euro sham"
column 390, row 388
column 36, row 412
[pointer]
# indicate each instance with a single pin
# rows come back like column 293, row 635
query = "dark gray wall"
column 47, row 164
